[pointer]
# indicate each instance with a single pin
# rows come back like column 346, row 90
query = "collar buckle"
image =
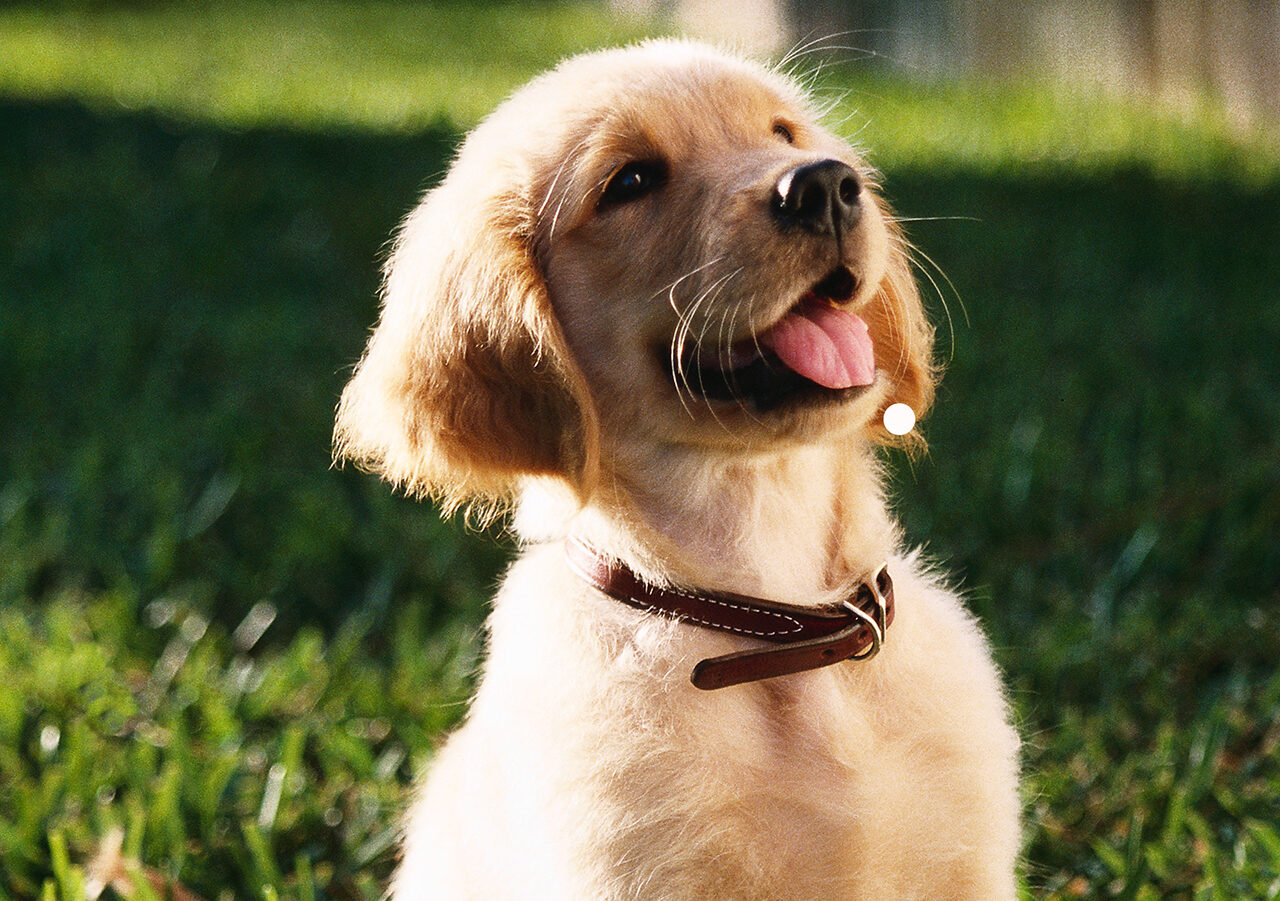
column 876, row 622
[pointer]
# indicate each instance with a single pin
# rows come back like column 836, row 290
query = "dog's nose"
column 821, row 198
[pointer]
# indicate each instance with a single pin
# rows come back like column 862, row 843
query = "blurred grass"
column 227, row 656
column 371, row 64
column 388, row 67
column 179, row 308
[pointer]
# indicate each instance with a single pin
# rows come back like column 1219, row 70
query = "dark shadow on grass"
column 1104, row 463
column 179, row 307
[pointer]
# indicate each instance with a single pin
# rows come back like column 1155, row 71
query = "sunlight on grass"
column 992, row 127
column 378, row 65
column 387, row 67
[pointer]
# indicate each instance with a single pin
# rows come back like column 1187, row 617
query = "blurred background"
column 224, row 659
column 1181, row 53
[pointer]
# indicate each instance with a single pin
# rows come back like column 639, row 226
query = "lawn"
column 225, row 658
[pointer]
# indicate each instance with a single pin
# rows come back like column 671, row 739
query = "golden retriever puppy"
column 657, row 310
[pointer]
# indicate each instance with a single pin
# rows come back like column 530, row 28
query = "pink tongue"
column 825, row 345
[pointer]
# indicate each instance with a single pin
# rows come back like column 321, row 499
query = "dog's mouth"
column 815, row 352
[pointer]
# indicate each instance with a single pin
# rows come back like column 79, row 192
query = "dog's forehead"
column 664, row 86
column 659, row 86
column 700, row 107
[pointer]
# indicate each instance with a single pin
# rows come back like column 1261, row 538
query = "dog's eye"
column 782, row 131
column 632, row 181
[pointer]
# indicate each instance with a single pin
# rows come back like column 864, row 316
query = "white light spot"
column 899, row 419
column 271, row 796
column 49, row 738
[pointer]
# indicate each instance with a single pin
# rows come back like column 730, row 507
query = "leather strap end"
column 751, row 666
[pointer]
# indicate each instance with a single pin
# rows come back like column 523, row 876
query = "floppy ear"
column 467, row 384
column 903, row 330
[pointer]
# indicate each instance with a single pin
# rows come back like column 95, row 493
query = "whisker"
column 937, row 219
column 684, row 324
column 800, row 49
column 831, row 101
column 691, row 346
column 670, row 289
column 709, row 294
column 755, row 340
column 918, row 259
column 823, row 44
column 681, row 343
column 569, row 156
column 916, row 255
column 677, row 358
column 679, row 348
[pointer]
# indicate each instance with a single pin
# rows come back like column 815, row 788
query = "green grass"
column 229, row 657
column 376, row 65
column 391, row 67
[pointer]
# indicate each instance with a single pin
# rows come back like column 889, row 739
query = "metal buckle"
column 876, row 623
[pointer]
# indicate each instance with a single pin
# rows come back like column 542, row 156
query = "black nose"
column 819, row 197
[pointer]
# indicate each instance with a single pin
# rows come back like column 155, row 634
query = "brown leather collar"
column 806, row 637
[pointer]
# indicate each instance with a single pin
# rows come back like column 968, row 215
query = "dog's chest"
column 765, row 790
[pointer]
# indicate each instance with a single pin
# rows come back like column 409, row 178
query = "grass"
column 377, row 65
column 388, row 67
column 224, row 659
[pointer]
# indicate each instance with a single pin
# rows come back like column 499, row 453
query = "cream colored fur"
column 523, row 356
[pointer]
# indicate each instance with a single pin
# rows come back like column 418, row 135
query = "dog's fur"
column 529, row 352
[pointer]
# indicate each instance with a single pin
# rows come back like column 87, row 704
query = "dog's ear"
column 467, row 384
column 898, row 320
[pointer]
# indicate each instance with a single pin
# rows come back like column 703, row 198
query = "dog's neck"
column 796, row 526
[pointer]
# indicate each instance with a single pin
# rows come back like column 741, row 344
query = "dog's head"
column 656, row 245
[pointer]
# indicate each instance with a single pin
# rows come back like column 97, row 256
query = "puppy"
column 659, row 311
